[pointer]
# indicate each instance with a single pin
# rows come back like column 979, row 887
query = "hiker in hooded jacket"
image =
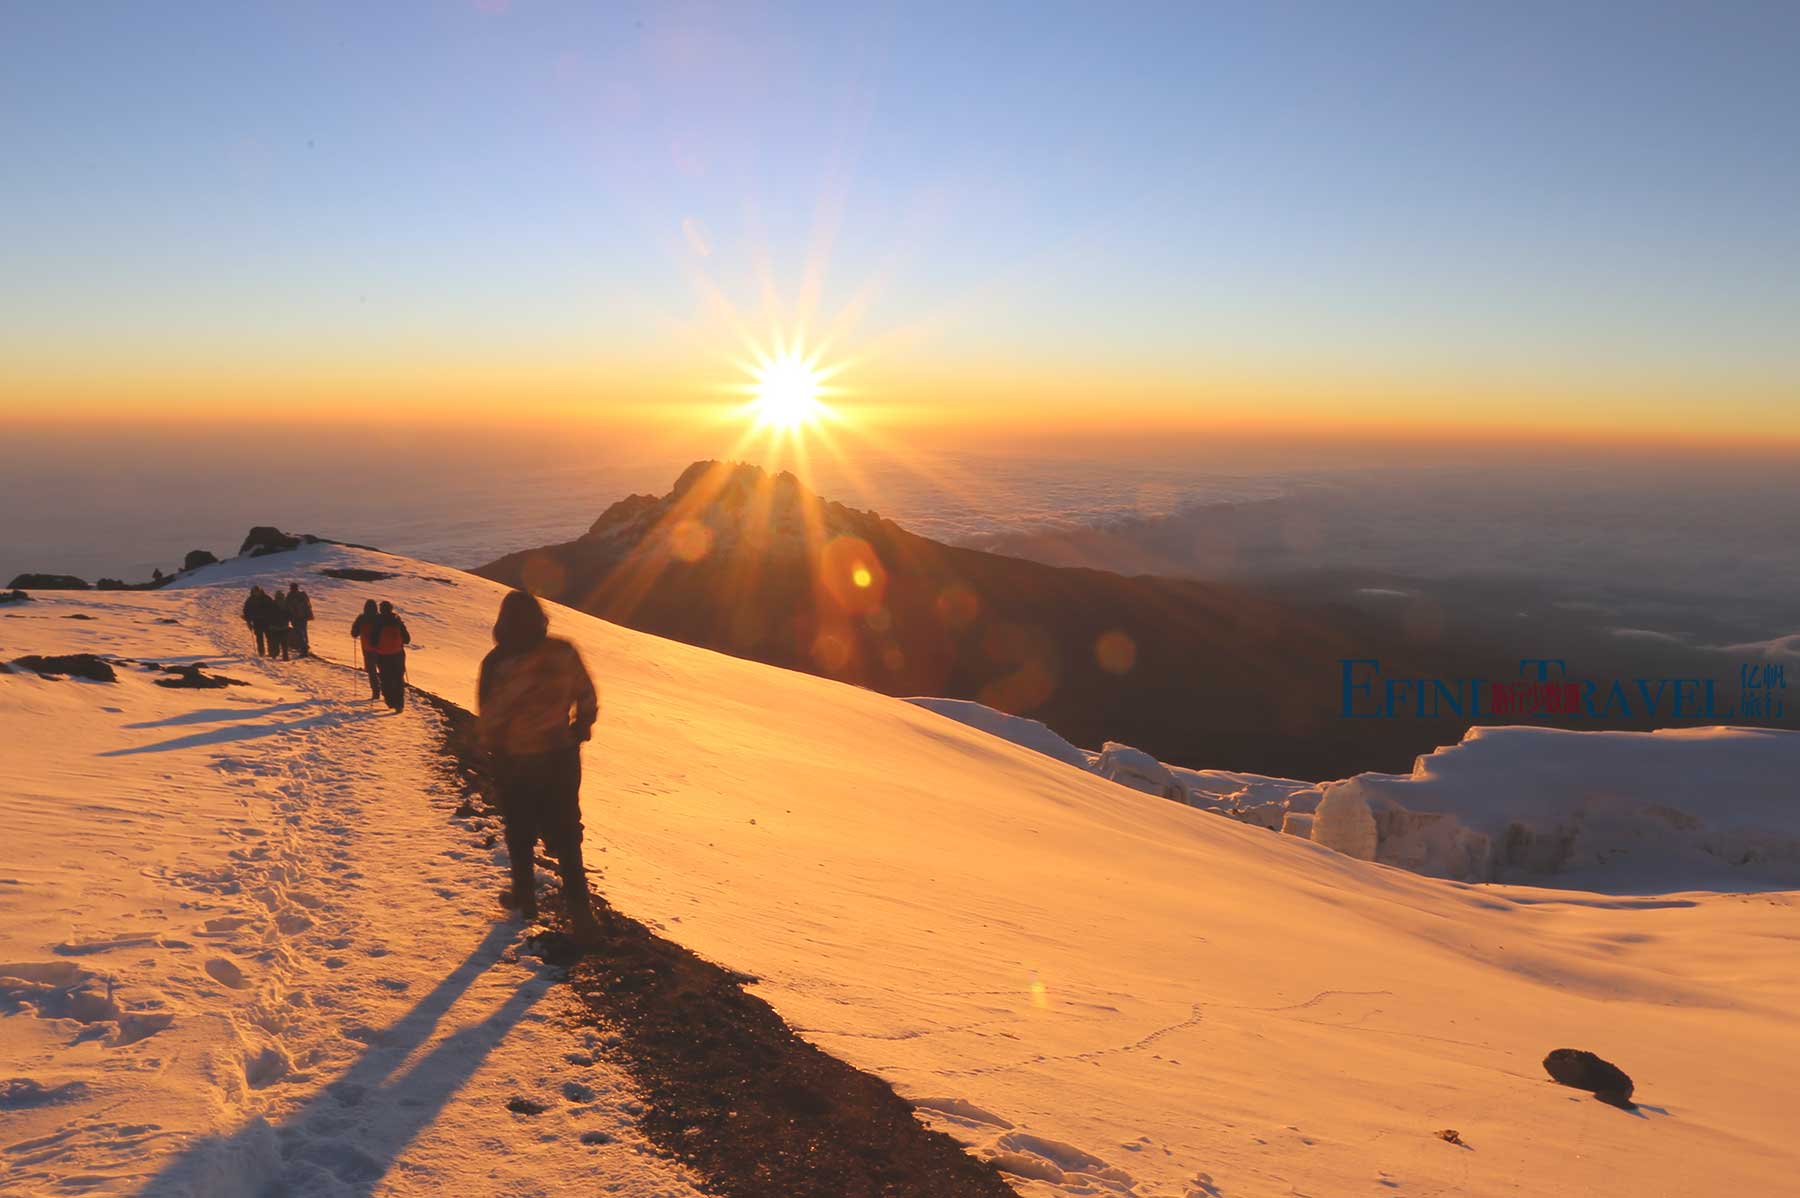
column 390, row 639
column 300, row 614
column 275, row 626
column 253, row 617
column 362, row 631
column 268, row 619
column 536, row 706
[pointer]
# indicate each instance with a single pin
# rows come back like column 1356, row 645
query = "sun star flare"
column 787, row 393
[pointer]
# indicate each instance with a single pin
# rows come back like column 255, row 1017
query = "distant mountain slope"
column 1194, row 672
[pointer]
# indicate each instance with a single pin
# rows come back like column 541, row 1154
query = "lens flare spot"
column 852, row 575
column 1116, row 652
column 690, row 540
column 1040, row 994
column 831, row 650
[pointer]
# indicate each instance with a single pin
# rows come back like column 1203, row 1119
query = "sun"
column 786, row 393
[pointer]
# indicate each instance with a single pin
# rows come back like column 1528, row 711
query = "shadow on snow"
column 220, row 736
column 354, row 1129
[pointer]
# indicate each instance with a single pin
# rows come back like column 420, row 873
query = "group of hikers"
column 536, row 706
column 279, row 621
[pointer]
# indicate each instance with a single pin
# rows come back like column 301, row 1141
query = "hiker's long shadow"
column 235, row 732
column 357, row 1126
column 225, row 715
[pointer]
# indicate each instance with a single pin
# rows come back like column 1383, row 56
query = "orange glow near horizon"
column 792, row 394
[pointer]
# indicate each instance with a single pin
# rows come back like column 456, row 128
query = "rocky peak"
column 732, row 501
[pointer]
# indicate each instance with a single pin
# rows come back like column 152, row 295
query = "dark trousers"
column 297, row 638
column 540, row 799
column 370, row 663
column 392, row 668
column 277, row 638
column 257, row 631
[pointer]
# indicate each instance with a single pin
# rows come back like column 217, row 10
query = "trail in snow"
column 244, row 949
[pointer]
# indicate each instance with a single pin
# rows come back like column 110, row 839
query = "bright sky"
column 1575, row 216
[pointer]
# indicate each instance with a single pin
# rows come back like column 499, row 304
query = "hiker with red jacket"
column 389, row 638
column 362, row 631
column 536, row 705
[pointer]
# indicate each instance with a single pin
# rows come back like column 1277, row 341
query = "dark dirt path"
column 730, row 1090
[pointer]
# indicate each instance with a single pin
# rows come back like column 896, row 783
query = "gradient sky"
column 1542, row 216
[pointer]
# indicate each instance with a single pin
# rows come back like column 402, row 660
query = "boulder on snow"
column 198, row 557
column 192, row 678
column 1138, row 770
column 265, row 539
column 1582, row 1070
column 15, row 596
column 48, row 582
column 68, row 665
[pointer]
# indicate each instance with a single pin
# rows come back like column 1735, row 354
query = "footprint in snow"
column 227, row 923
column 227, row 973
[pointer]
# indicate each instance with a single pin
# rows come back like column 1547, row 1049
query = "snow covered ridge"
column 1674, row 809
column 1104, row 993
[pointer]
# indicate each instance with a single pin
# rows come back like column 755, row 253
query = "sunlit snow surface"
column 1109, row 992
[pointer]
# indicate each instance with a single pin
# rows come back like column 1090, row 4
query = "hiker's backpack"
column 390, row 637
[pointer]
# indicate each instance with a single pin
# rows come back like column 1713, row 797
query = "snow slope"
column 242, row 945
column 1122, row 995
column 1115, row 994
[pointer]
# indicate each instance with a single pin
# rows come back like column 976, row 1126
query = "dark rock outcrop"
column 68, row 665
column 266, row 539
column 356, row 574
column 49, row 582
column 1582, row 1070
column 198, row 557
column 191, row 678
column 15, row 596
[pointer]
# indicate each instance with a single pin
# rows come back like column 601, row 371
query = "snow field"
column 1158, row 1002
column 1105, row 992
column 244, row 948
